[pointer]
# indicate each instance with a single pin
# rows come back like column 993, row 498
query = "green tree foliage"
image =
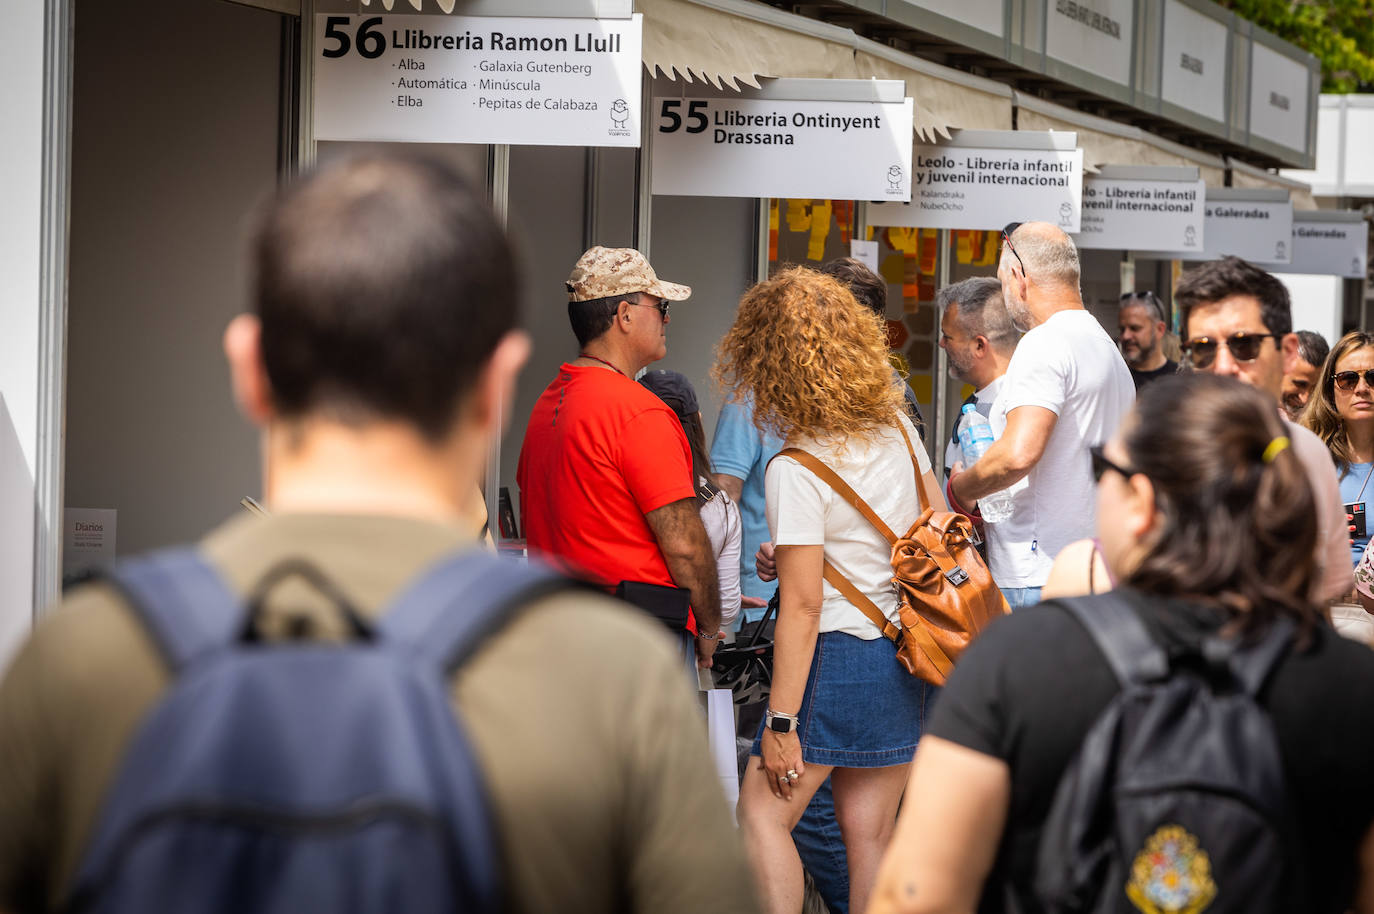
column 1339, row 33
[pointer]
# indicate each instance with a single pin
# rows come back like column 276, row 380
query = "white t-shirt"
column 983, row 401
column 720, row 516
column 1070, row 366
column 804, row 511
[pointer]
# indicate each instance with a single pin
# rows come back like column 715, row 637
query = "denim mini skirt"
column 861, row 708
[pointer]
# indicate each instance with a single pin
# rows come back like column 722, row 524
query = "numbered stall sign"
column 478, row 79
column 770, row 147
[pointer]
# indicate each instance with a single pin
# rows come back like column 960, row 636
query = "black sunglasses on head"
column 1244, row 347
column 1006, row 239
column 1347, row 380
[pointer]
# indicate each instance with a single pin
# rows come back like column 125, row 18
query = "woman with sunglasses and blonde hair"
column 1342, row 415
column 814, row 362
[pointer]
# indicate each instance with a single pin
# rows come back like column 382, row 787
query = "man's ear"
column 1161, row 328
column 1289, row 347
column 496, row 381
column 247, row 373
column 624, row 313
column 981, row 346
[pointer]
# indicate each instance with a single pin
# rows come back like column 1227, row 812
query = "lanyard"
column 623, row 375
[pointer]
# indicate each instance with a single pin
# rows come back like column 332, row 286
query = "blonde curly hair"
column 813, row 359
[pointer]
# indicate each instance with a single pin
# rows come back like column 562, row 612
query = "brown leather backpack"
column 946, row 591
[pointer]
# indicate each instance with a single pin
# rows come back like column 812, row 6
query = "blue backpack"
column 293, row 776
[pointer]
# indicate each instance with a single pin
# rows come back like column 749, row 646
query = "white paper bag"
column 720, row 728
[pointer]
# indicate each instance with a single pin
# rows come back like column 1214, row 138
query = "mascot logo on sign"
column 620, row 113
column 1190, row 236
column 894, row 178
column 1171, row 874
column 1065, row 214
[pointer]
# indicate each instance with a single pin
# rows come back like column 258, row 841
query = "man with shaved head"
column 1066, row 389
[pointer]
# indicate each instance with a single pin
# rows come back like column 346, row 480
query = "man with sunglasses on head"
column 1066, row 388
column 1141, row 319
column 605, row 472
column 1237, row 321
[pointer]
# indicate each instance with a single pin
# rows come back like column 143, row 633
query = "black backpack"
column 1175, row 803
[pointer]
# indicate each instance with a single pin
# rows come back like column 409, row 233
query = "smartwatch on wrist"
column 779, row 722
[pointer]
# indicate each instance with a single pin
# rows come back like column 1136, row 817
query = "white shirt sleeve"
column 797, row 503
column 1036, row 375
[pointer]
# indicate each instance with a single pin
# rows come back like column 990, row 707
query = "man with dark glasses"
column 1066, row 387
column 1237, row 321
column 605, row 473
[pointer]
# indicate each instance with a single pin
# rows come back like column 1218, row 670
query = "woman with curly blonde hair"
column 814, row 361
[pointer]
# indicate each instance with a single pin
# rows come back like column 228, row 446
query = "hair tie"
column 1277, row 445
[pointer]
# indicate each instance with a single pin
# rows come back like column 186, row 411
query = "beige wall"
column 174, row 140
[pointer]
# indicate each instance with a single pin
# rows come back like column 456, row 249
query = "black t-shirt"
column 1028, row 690
column 1141, row 378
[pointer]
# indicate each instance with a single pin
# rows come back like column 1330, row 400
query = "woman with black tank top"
column 1207, row 524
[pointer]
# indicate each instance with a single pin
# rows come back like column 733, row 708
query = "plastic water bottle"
column 975, row 437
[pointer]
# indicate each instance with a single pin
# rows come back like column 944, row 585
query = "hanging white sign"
column 478, row 79
column 88, row 538
column 1194, row 65
column 756, row 147
column 1255, row 229
column 1133, row 215
column 1328, row 247
column 960, row 187
column 1093, row 35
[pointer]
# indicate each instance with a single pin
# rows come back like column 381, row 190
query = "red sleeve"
column 655, row 459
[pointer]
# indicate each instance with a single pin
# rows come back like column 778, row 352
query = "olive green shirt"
column 592, row 743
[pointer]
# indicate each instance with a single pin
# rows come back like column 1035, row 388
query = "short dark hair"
column 865, row 285
column 1207, row 444
column 1219, row 279
column 1312, row 348
column 383, row 285
column 593, row 317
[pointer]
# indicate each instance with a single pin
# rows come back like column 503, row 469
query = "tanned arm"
column 1010, row 458
column 730, row 485
column 686, row 548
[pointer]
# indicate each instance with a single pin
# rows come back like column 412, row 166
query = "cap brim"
column 670, row 291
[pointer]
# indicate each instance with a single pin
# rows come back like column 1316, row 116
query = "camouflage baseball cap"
column 603, row 272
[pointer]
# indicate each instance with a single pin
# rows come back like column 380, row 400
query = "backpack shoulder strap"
column 182, row 602
column 1252, row 664
column 923, row 497
column 1116, row 629
column 446, row 614
column 832, row 479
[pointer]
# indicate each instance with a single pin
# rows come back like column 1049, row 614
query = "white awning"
column 731, row 42
column 1105, row 142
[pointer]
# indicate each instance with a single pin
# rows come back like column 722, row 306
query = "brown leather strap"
column 931, row 649
column 841, row 488
column 861, row 602
column 923, row 497
column 890, row 630
column 846, row 587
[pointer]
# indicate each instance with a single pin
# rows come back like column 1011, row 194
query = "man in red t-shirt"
column 605, row 473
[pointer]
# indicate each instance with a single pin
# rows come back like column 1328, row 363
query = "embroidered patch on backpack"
column 1171, row 874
